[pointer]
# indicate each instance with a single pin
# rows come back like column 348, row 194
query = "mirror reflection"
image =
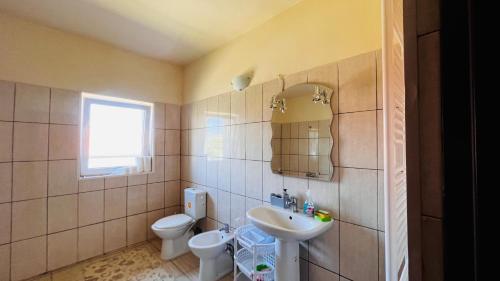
column 302, row 141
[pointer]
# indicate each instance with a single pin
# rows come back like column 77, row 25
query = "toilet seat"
column 173, row 221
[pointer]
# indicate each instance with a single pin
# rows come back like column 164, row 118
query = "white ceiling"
column 175, row 30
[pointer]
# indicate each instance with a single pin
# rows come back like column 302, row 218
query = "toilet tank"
column 195, row 202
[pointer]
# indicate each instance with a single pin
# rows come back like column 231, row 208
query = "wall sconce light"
column 320, row 95
column 241, row 82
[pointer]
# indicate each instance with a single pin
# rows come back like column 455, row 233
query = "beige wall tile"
column 159, row 142
column 223, row 210
column 197, row 139
column 238, row 108
column 225, row 133
column 185, row 142
column 211, row 202
column 152, row 217
column 115, row 181
column 237, row 210
column 29, row 219
column 253, row 182
column 136, row 199
column 136, row 229
column 32, row 103
column 159, row 115
column 238, row 141
column 358, row 252
column 63, row 178
column 253, row 142
column 6, row 101
column 64, row 107
column 223, row 174
column 5, row 182
column 380, row 94
column 90, row 241
column 115, row 234
column 159, row 170
column 62, row 213
column 271, row 182
column 186, row 116
column 224, row 109
column 155, row 196
column 172, row 193
column 64, row 142
column 199, row 170
column 172, row 116
column 198, row 114
column 269, row 89
column 5, row 221
column 31, row 141
column 325, row 194
column 6, row 141
column 29, row 180
column 115, row 203
column 238, row 176
column 358, row 83
column 324, row 249
column 358, row 140
column 90, row 184
column 380, row 140
column 212, row 167
column 172, row 142
column 317, row 273
column 29, row 258
column 137, row 179
column 61, row 249
column 90, row 207
column 4, row 262
column 172, row 168
column 253, row 97
column 381, row 256
column 212, row 112
column 380, row 195
column 327, row 75
column 358, row 196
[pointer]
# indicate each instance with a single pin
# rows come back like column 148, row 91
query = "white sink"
column 289, row 228
column 286, row 225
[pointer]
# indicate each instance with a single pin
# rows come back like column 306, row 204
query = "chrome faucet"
column 291, row 202
column 225, row 228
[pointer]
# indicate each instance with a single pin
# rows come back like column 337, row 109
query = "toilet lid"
column 173, row 221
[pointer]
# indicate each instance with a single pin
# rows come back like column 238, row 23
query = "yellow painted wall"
column 311, row 33
column 40, row 55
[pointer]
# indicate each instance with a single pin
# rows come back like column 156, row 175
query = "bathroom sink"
column 286, row 225
column 289, row 228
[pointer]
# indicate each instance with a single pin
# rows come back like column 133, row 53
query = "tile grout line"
column 12, row 184
column 47, row 190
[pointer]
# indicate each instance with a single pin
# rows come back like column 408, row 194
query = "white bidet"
column 210, row 247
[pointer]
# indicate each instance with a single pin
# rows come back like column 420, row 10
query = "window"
column 116, row 136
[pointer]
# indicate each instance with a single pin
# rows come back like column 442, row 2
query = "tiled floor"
column 139, row 263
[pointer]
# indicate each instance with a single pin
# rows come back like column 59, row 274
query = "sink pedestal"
column 287, row 260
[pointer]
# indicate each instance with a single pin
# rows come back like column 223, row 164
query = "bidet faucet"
column 225, row 228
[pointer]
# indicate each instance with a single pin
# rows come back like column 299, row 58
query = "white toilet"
column 175, row 230
column 211, row 248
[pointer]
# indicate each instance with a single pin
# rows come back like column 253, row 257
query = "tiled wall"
column 49, row 219
column 225, row 147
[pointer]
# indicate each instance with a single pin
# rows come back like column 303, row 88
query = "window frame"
column 148, row 143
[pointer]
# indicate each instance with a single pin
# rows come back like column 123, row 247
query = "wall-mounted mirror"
column 302, row 140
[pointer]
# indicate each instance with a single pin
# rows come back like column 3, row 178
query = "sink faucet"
column 225, row 228
column 291, row 202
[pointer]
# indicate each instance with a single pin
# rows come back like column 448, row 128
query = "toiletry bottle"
column 310, row 204
column 306, row 203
